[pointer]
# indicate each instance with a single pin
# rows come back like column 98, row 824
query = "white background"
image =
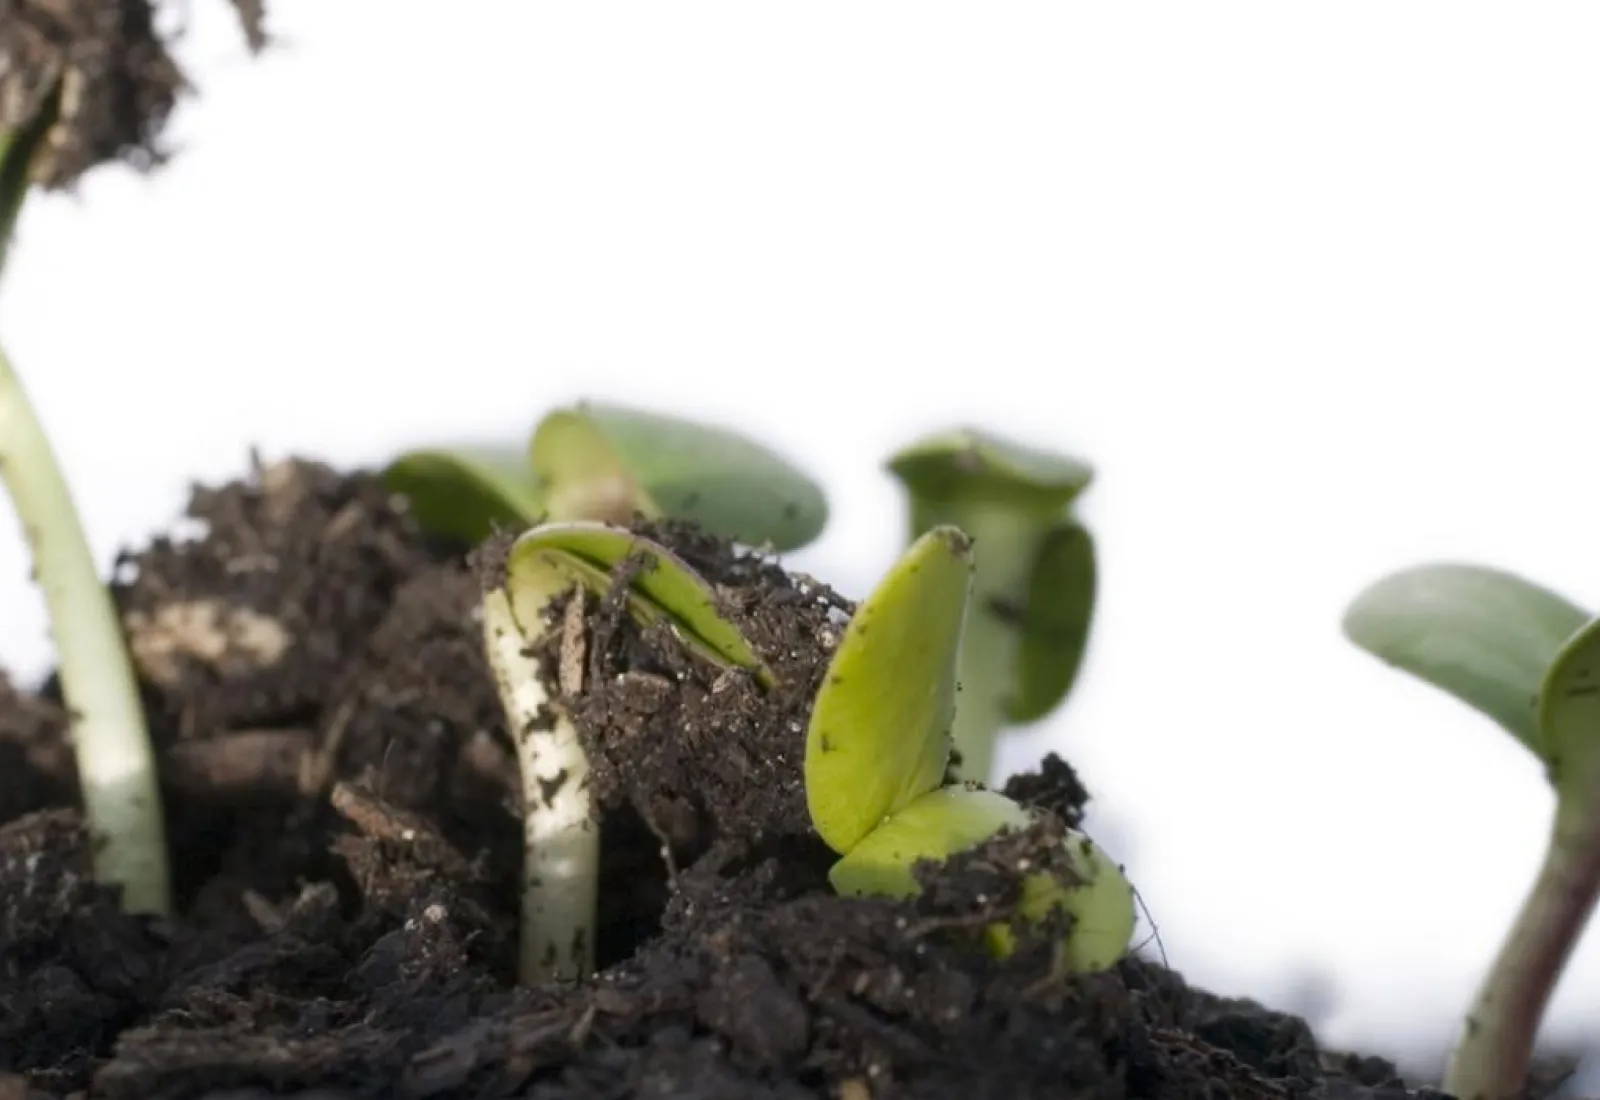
column 1315, row 288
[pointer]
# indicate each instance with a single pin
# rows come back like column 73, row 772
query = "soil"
column 342, row 806
column 120, row 80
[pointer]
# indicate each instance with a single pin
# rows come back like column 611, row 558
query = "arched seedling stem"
column 1495, row 1051
column 1530, row 660
column 560, row 836
column 110, row 739
column 953, row 820
column 607, row 463
column 1034, row 591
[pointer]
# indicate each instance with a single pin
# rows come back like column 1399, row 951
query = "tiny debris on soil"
column 342, row 800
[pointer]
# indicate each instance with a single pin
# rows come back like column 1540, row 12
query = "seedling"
column 878, row 745
column 606, row 463
column 116, row 765
column 1530, row 660
column 561, row 839
column 1035, row 583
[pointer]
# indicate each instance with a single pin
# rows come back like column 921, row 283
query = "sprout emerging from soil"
column 84, row 82
column 1530, row 660
column 1035, row 582
column 608, row 463
column 521, row 624
column 878, row 745
column 116, row 764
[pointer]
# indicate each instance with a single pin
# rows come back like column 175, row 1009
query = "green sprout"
column 110, row 739
column 1035, row 583
column 878, row 745
column 605, row 462
column 1530, row 660
column 561, row 841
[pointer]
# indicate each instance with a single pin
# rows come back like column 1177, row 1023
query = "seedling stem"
column 1492, row 1061
column 116, row 766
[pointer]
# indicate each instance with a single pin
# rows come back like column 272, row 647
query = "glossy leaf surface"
column 879, row 730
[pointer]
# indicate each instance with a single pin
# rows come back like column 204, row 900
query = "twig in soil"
column 380, row 821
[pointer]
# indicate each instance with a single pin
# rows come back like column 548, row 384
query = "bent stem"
column 1491, row 1062
column 116, row 766
column 561, row 843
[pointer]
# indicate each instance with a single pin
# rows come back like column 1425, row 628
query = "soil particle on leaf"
column 342, row 816
column 691, row 744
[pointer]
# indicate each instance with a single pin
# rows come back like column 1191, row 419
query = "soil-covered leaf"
column 952, row 820
column 663, row 588
column 1483, row 635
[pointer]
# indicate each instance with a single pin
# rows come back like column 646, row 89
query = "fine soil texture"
column 342, row 805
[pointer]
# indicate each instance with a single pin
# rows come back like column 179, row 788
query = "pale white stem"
column 561, row 842
column 116, row 765
column 1496, row 1049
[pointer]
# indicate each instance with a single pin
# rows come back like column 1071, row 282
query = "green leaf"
column 879, row 731
column 661, row 465
column 951, row 820
column 466, row 492
column 1485, row 636
column 971, row 463
column 666, row 589
column 1056, row 621
column 1569, row 716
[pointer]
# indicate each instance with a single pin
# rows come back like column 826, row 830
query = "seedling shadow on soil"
column 343, row 811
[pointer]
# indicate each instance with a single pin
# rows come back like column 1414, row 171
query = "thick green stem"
column 116, row 766
column 1491, row 1061
column 1006, row 542
column 561, row 842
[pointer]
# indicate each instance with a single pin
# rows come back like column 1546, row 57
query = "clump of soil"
column 695, row 749
column 342, row 801
column 117, row 77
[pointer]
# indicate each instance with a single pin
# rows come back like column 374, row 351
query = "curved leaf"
column 666, row 589
column 969, row 462
column 1569, row 716
column 945, row 822
column 661, row 465
column 466, row 492
column 879, row 731
column 1056, row 621
column 1483, row 635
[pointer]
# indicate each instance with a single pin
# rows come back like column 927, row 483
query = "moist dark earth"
column 342, row 807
